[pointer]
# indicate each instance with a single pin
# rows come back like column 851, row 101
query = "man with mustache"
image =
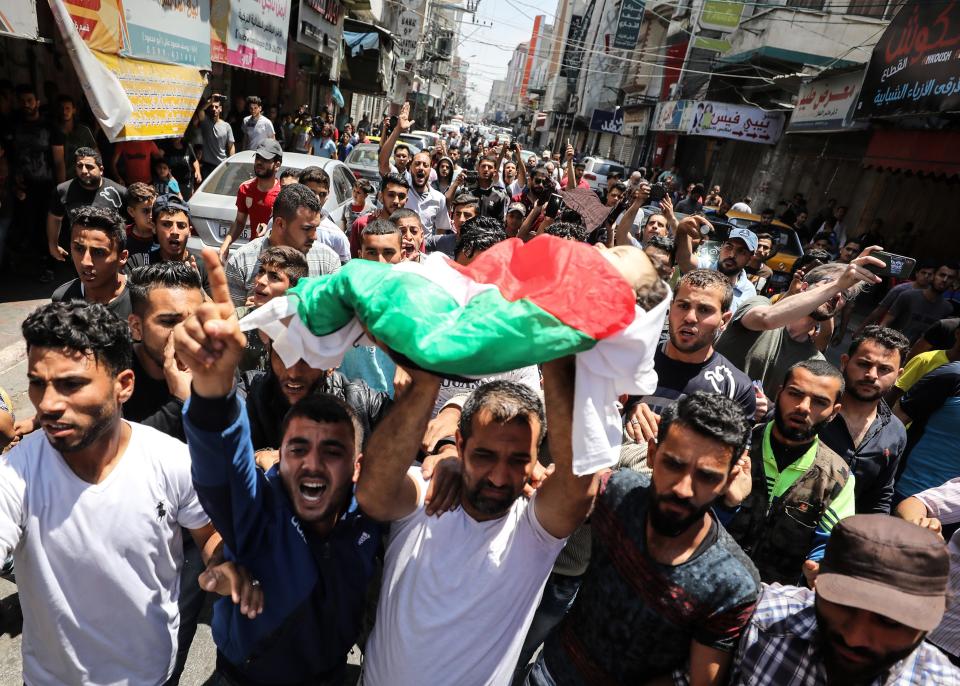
column 429, row 203
column 881, row 590
column 866, row 434
column 801, row 488
column 735, row 254
column 667, row 591
column 255, row 197
column 765, row 340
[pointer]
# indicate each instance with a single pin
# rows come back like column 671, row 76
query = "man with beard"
column 219, row 139
column 538, row 189
column 255, row 197
column 735, row 254
column 668, row 591
column 765, row 340
column 915, row 311
column 99, row 252
column 801, row 488
column 459, row 591
column 866, row 434
column 493, row 201
column 296, row 215
column 429, row 203
column 393, row 196
column 296, row 526
column 881, row 589
column 686, row 362
column 93, row 508
column 88, row 188
column 75, row 134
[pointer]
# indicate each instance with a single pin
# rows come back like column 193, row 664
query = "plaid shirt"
column 243, row 264
column 779, row 648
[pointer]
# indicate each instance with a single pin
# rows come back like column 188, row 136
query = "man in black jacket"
column 271, row 393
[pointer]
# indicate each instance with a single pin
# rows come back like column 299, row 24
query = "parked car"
column 429, row 137
column 363, row 162
column 415, row 141
column 596, row 170
column 213, row 207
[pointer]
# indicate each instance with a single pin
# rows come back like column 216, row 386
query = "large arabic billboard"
column 915, row 68
column 827, row 104
column 718, row 120
column 171, row 32
column 607, row 121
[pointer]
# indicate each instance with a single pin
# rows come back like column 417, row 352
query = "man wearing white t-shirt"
column 256, row 127
column 459, row 591
column 92, row 509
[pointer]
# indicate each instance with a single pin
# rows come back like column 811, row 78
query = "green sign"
column 720, row 45
column 721, row 15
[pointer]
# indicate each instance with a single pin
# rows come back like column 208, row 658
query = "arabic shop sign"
column 628, row 25
column 721, row 15
column 251, row 34
column 607, row 121
column 915, row 68
column 170, row 32
column 827, row 104
column 738, row 122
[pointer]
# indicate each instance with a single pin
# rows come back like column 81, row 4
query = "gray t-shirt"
column 764, row 356
column 913, row 313
column 216, row 137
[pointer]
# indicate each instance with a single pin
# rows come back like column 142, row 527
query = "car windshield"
column 227, row 178
column 365, row 156
column 604, row 169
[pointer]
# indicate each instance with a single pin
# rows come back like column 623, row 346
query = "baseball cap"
column 745, row 235
column 269, row 149
column 889, row 566
column 517, row 207
column 170, row 203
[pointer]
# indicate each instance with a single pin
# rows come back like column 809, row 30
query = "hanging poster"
column 257, row 39
column 827, row 104
column 739, row 122
column 171, row 32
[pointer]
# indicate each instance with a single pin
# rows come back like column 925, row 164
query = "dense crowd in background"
column 773, row 518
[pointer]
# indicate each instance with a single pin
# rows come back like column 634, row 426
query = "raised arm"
column 386, row 146
column 564, row 500
column 384, row 490
column 571, row 173
column 521, row 167
column 621, row 235
column 687, row 230
column 786, row 310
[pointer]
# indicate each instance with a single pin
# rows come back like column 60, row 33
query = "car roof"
column 293, row 160
column 755, row 218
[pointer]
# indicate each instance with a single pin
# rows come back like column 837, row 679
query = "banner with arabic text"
column 628, row 24
column 738, row 122
column 915, row 67
column 607, row 121
column 827, row 104
column 255, row 33
column 174, row 32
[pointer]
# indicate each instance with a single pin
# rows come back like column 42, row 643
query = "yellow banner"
column 164, row 96
column 100, row 23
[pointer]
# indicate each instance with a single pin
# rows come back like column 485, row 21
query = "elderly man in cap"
column 882, row 587
column 735, row 254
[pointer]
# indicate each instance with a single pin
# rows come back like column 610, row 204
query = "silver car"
column 363, row 162
column 213, row 207
column 596, row 170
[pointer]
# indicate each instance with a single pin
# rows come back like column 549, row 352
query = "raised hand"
column 178, row 380
column 210, row 342
column 403, row 120
column 857, row 270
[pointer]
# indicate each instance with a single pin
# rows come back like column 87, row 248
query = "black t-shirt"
column 33, row 143
column 941, row 336
column 72, row 290
column 70, row 196
column 138, row 249
column 151, row 403
column 493, row 203
column 677, row 379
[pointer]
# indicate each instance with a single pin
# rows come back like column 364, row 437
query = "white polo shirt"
column 432, row 208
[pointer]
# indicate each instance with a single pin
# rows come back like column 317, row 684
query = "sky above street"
column 488, row 44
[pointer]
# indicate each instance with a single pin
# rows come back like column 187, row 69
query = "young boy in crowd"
column 362, row 190
column 140, row 231
column 281, row 267
column 163, row 181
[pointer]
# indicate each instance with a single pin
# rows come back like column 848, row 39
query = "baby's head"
column 640, row 273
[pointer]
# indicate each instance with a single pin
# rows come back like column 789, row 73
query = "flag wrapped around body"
column 516, row 305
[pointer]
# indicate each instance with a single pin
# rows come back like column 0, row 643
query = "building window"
column 806, row 4
column 881, row 9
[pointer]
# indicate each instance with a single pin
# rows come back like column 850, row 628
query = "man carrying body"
column 486, row 562
column 87, row 188
column 92, row 509
column 765, row 340
column 865, row 433
column 687, row 362
column 801, row 488
column 295, row 527
column 98, row 248
column 255, row 197
column 296, row 214
column 735, row 254
column 668, row 591
column 915, row 311
column 882, row 587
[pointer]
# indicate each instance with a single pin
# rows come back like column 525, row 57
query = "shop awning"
column 781, row 55
column 367, row 66
column 922, row 152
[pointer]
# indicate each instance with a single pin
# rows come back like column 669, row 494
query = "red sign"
column 533, row 46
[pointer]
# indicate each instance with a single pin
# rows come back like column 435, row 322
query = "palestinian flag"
column 517, row 304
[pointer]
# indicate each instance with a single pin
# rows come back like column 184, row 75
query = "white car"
column 596, row 170
column 213, row 207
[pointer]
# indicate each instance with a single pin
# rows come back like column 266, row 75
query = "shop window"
column 806, row 4
column 881, row 9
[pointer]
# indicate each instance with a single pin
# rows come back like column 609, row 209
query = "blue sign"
column 607, row 121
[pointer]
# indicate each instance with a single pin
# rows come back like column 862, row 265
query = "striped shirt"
column 779, row 647
column 943, row 502
column 245, row 261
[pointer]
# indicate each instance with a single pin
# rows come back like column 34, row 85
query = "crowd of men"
column 771, row 519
